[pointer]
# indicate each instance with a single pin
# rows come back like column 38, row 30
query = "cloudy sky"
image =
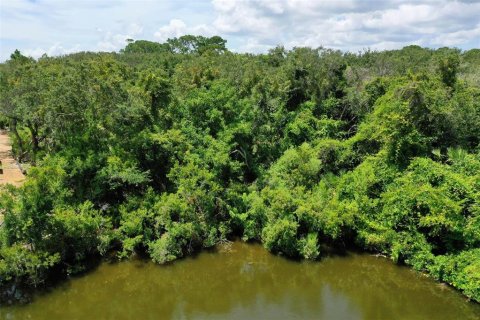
column 63, row 26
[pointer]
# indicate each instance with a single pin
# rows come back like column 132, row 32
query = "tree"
column 448, row 65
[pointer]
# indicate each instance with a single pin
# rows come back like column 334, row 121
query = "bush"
column 18, row 263
column 309, row 247
column 461, row 271
column 281, row 237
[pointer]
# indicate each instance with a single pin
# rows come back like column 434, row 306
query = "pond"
column 244, row 281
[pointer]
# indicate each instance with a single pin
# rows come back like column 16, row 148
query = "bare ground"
column 11, row 170
column 12, row 174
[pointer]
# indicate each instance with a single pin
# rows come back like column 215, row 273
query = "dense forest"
column 164, row 149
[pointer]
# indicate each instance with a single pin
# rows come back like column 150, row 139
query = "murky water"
column 246, row 282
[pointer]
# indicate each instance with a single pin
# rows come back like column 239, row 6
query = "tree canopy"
column 168, row 148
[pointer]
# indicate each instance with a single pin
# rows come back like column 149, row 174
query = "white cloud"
column 58, row 27
column 134, row 29
column 457, row 38
column 113, row 42
column 55, row 50
column 177, row 28
column 348, row 25
column 236, row 16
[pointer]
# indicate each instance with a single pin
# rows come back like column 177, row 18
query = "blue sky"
column 58, row 27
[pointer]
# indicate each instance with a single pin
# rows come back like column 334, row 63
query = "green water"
column 246, row 282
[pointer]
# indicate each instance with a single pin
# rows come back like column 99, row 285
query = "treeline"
column 167, row 148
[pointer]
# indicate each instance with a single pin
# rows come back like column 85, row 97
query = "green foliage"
column 280, row 237
column 448, row 68
column 144, row 46
column 168, row 148
column 309, row 247
column 77, row 233
column 180, row 238
column 461, row 271
column 18, row 263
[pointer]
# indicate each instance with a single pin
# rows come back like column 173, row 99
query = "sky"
column 56, row 27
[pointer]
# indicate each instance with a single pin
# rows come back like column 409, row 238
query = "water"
column 246, row 282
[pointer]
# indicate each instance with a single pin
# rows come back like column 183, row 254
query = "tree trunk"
column 19, row 139
column 34, row 138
